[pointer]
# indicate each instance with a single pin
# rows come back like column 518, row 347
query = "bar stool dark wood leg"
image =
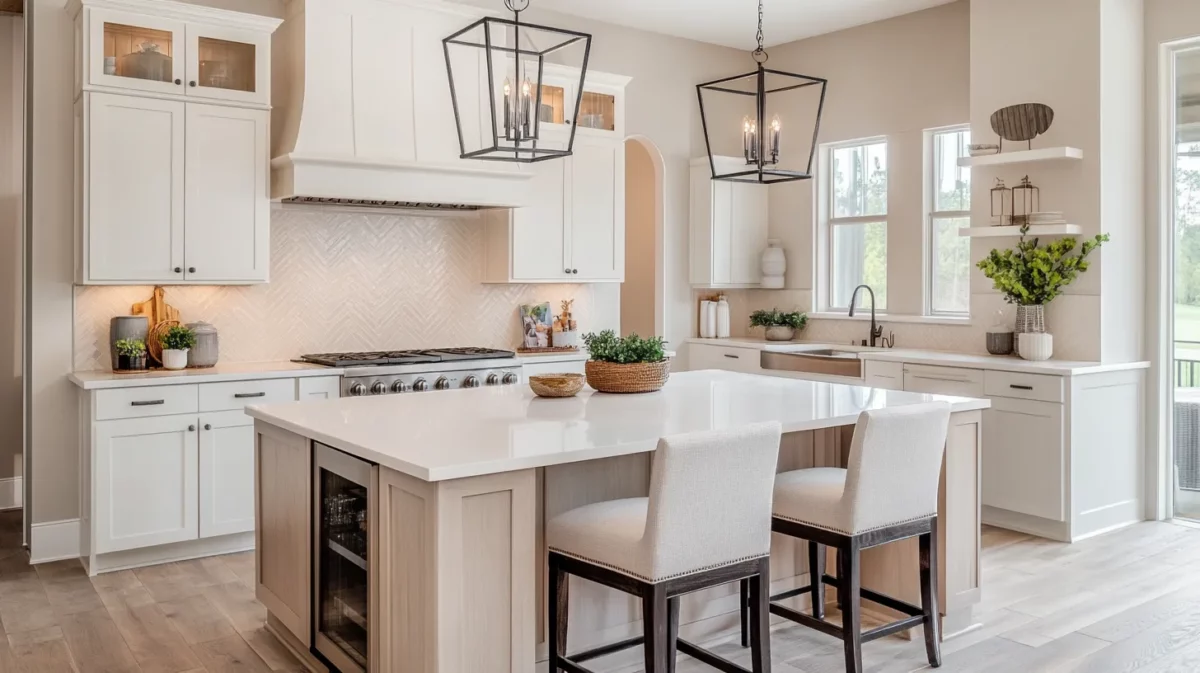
column 744, row 609
column 840, row 603
column 760, row 619
column 654, row 617
column 672, row 633
column 816, row 569
column 557, row 636
column 849, row 588
column 928, row 544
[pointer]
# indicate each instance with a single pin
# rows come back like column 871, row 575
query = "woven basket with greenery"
column 626, row 365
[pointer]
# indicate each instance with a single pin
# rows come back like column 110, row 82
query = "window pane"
column 951, row 266
column 859, row 256
column 952, row 183
column 859, row 180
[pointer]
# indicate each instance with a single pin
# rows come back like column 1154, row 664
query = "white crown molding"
column 183, row 12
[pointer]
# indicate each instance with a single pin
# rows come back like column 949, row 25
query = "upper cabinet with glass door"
column 601, row 109
column 174, row 48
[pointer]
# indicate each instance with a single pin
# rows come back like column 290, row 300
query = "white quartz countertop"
column 945, row 358
column 241, row 371
column 469, row 432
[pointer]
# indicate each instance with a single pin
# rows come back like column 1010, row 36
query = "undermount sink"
column 819, row 360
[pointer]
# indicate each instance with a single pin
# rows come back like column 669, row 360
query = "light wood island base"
column 460, row 565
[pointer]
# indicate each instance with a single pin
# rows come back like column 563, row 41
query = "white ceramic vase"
column 174, row 358
column 1035, row 346
column 774, row 265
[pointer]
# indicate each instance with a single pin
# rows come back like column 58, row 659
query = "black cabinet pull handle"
column 208, row 426
column 735, row 357
column 241, row 395
column 178, row 269
column 192, row 83
column 179, row 81
column 191, row 269
column 1017, row 387
column 147, row 403
column 191, row 428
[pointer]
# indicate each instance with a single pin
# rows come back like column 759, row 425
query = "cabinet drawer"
column 1041, row 387
column 234, row 395
column 142, row 402
column 887, row 375
column 943, row 380
column 704, row 356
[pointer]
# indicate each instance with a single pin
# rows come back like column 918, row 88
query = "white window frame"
column 828, row 221
column 931, row 214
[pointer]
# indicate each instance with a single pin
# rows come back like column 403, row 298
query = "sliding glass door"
column 1186, row 229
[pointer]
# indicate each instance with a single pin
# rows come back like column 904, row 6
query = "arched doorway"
column 643, row 309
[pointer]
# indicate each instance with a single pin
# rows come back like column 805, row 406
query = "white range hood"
column 362, row 111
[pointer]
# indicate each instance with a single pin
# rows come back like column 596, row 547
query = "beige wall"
column 11, row 167
column 637, row 292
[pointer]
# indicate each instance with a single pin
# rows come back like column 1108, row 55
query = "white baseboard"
column 11, row 493
column 54, row 541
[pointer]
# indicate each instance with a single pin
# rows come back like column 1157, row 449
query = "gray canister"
column 125, row 327
column 207, row 349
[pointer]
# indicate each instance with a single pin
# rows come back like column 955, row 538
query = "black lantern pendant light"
column 755, row 106
column 495, row 67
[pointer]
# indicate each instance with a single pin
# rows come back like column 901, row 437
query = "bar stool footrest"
column 791, row 593
column 876, row 597
column 706, row 657
column 892, row 627
column 605, row 650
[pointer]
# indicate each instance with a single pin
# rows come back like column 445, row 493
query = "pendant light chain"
column 759, row 54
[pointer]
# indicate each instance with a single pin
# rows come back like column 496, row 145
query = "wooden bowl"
column 556, row 385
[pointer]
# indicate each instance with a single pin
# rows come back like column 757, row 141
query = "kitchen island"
column 459, row 484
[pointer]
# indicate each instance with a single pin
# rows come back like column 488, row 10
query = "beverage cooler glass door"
column 345, row 503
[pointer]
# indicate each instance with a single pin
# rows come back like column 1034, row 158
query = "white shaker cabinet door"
column 226, row 473
column 748, row 237
column 597, row 208
column 539, row 238
column 1024, row 461
column 228, row 199
column 145, row 482
column 134, row 194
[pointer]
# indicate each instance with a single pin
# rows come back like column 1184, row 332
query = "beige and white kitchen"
column 556, row 336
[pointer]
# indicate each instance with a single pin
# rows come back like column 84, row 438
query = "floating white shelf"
column 1024, row 156
column 1034, row 230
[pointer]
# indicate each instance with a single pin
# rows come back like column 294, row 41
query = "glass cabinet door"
column 597, row 111
column 227, row 64
column 133, row 51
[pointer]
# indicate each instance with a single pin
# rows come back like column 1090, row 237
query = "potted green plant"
column 131, row 355
column 1032, row 275
column 779, row 326
column 625, row 364
column 176, row 342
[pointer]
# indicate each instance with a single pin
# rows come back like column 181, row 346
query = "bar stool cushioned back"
column 709, row 505
column 891, row 477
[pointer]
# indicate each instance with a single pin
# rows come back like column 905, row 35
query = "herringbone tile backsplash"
column 345, row 281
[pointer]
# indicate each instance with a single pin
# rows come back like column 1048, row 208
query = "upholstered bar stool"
column 705, row 523
column 888, row 492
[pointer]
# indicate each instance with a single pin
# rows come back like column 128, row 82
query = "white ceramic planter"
column 780, row 333
column 1035, row 347
column 175, row 358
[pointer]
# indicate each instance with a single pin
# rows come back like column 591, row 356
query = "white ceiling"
column 732, row 23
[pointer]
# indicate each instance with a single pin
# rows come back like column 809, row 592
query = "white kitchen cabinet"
column 145, row 475
column 601, row 109
column 227, row 220
column 133, row 191
column 312, row 388
column 226, row 473
column 728, row 229
column 172, row 144
column 173, row 49
column 1023, row 458
column 943, row 380
column 886, row 375
column 575, row 232
column 729, row 358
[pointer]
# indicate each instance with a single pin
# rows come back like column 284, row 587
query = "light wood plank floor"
column 1127, row 601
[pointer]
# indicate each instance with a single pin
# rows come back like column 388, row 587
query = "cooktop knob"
column 358, row 390
column 493, row 379
column 510, row 378
column 379, row 388
column 442, row 383
column 420, row 385
column 400, row 387
column 471, row 382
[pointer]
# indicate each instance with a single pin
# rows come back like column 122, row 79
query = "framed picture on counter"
column 535, row 325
